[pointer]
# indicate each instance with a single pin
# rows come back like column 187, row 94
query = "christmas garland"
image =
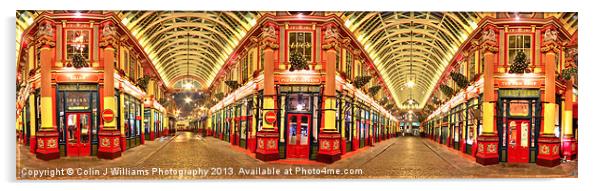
column 143, row 82
column 567, row 73
column 361, row 81
column 232, row 84
column 383, row 101
column 219, row 95
column 460, row 79
column 298, row 62
column 374, row 89
column 449, row 92
column 389, row 106
column 163, row 102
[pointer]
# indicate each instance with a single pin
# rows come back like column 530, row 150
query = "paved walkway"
column 189, row 156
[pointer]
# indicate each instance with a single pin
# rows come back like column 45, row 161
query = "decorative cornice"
column 109, row 37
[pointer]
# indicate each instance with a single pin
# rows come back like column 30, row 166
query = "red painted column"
column 487, row 142
column 267, row 137
column 47, row 135
column 329, row 138
column 108, row 136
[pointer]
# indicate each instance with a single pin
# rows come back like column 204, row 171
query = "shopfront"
column 310, row 85
column 519, row 124
column 132, row 111
column 78, row 116
column 242, row 122
column 473, row 124
column 300, row 131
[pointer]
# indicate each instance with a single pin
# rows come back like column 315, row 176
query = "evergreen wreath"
column 298, row 62
column 460, row 79
column 449, row 92
column 361, row 81
column 232, row 84
column 520, row 63
column 143, row 82
column 374, row 89
column 567, row 73
column 79, row 61
column 383, row 101
column 219, row 95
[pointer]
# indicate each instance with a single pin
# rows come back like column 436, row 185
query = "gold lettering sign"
column 74, row 87
column 519, row 93
column 78, row 100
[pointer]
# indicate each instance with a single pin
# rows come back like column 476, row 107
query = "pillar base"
column 109, row 144
column 252, row 144
column 487, row 150
column 330, row 147
column 32, row 144
column 267, row 146
column 569, row 148
column 549, row 154
column 343, row 146
column 47, row 144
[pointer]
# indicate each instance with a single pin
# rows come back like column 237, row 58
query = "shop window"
column 348, row 120
column 338, row 105
column 517, row 43
column 147, row 115
column 299, row 102
column 95, row 116
column 118, row 110
column 61, row 113
column 78, row 42
column 38, row 111
column 557, row 120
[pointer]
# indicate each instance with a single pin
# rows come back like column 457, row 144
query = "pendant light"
column 411, row 102
column 188, row 81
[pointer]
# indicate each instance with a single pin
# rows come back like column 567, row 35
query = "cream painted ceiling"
column 199, row 42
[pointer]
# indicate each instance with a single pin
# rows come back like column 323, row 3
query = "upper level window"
column 261, row 60
column 245, row 67
column 517, row 43
column 471, row 66
column 132, row 68
column 78, row 42
column 300, row 42
column 348, row 64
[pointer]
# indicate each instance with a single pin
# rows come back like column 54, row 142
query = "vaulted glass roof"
column 406, row 47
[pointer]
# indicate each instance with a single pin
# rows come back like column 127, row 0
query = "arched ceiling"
column 394, row 41
column 411, row 45
column 188, row 43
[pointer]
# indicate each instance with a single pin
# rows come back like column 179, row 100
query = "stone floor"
column 189, row 156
